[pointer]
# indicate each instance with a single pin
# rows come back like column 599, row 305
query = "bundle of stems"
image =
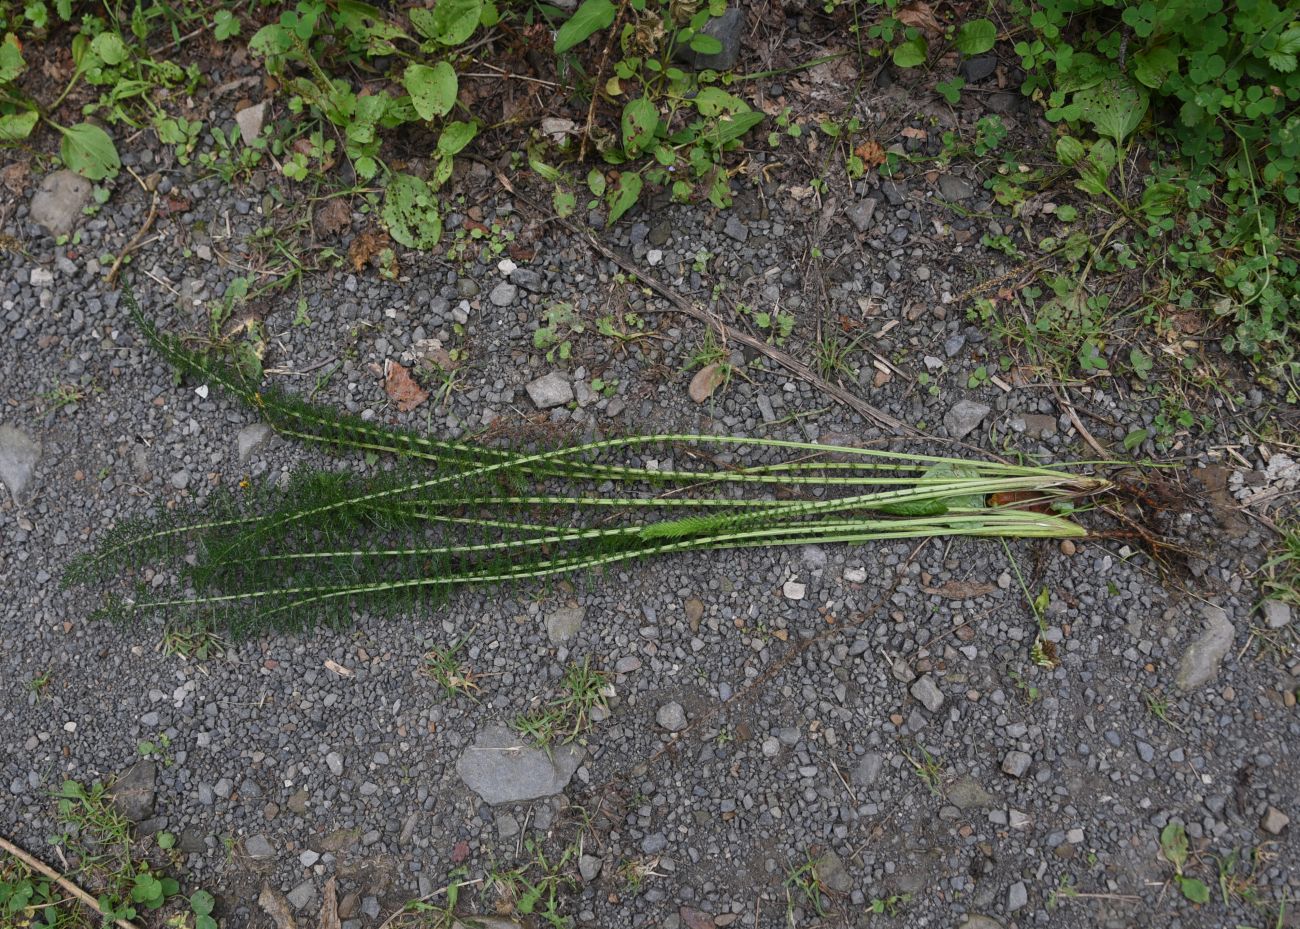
column 456, row 514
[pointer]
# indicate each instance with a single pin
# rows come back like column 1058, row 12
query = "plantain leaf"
column 89, row 151
column 432, row 89
column 590, row 18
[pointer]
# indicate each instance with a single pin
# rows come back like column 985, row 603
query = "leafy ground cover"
column 1176, row 129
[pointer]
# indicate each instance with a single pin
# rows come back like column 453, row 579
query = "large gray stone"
column 976, row 921
column 729, row 29
column 1277, row 614
column 832, row 873
column 58, row 202
column 133, row 792
column 564, row 623
column 862, row 214
column 19, row 454
column 867, row 771
column 502, row 768
column 251, row 438
column 1200, row 663
column 954, row 187
column 964, row 416
column 968, row 794
column 928, row 692
column 671, row 716
column 259, row 847
column 550, row 390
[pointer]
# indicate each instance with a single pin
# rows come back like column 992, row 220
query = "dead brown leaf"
column 918, row 15
column 337, row 668
column 277, row 907
column 403, row 389
column 962, row 590
column 14, row 176
column 911, row 132
column 708, row 379
column 871, row 152
column 365, row 247
column 333, row 216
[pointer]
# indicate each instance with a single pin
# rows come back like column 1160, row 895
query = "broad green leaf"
column 564, row 202
column 1134, row 439
column 17, row 126
column 1069, row 151
column 911, row 53
column 451, row 22
column 1115, row 107
column 714, row 101
column 1154, row 65
column 623, row 197
column 640, row 120
column 1174, row 845
column 704, row 44
column 11, row 59
column 432, row 89
column 411, row 212
column 455, row 136
column 591, row 17
column 89, row 151
column 1194, row 889
column 108, row 47
column 596, row 182
column 976, row 37
column 731, row 129
column 202, row 902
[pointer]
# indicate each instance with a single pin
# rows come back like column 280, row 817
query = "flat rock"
column 1276, row 614
column 832, row 873
column 1200, row 663
column 867, row 771
column 968, row 794
column 862, row 213
column 502, row 768
column 729, row 30
column 1274, row 821
column 1017, row 896
column 955, row 187
column 19, row 454
column 503, row 294
column 486, row 922
column 259, row 846
column 302, row 896
column 964, row 416
column 563, row 624
column 251, row 438
column 978, row 68
column 550, row 390
column 1016, row 763
column 671, row 716
column 926, row 691
column 589, row 867
column 976, row 921
column 58, row 202
column 133, row 792
column 250, row 120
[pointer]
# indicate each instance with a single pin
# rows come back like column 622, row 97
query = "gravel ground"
column 756, row 724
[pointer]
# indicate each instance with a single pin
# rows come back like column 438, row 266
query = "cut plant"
column 455, row 514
